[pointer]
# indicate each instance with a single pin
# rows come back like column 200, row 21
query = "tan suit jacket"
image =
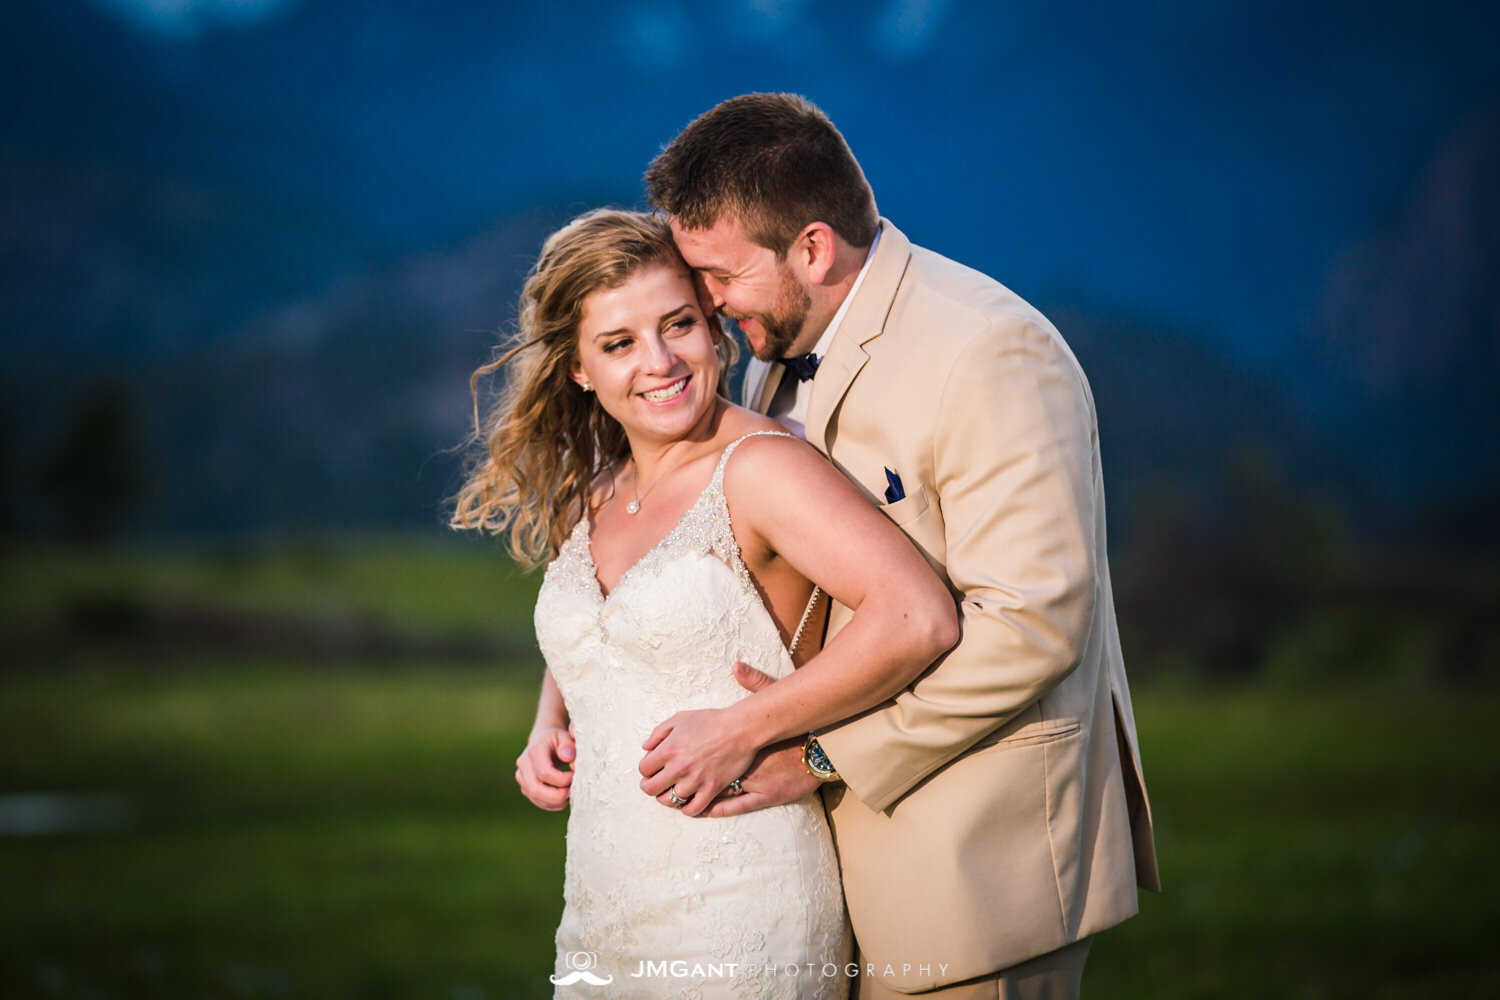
column 996, row 810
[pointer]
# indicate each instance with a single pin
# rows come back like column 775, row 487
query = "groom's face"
column 747, row 283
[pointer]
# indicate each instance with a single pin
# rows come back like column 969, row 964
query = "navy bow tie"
column 802, row 367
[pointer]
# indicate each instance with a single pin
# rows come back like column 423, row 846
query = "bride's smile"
column 669, row 391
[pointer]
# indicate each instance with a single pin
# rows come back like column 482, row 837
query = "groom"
column 993, row 817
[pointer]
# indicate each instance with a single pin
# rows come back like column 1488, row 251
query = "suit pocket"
column 908, row 508
column 1036, row 734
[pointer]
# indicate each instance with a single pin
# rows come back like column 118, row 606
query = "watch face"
column 817, row 761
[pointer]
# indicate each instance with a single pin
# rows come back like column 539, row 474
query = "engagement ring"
column 674, row 799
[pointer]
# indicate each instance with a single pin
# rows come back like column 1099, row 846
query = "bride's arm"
column 823, row 529
column 550, row 747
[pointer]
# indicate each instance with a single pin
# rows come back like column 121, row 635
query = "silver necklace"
column 634, row 506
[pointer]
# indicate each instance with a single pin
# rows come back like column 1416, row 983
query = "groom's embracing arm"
column 1014, row 473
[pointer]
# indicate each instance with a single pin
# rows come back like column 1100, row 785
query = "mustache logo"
column 587, row 977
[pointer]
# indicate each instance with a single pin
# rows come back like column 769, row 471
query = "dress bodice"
column 687, row 602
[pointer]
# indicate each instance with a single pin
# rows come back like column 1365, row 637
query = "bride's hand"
column 539, row 769
column 694, row 755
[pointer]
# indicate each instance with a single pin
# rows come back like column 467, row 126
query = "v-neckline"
column 586, row 525
column 588, row 545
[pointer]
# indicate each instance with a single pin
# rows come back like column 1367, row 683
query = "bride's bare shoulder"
column 765, row 462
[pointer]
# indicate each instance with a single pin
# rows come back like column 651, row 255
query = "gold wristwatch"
column 816, row 761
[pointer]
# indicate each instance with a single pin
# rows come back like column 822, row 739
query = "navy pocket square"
column 894, row 491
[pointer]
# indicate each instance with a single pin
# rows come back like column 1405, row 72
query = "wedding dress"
column 657, row 903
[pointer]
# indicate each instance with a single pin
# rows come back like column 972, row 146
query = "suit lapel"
column 835, row 374
column 863, row 322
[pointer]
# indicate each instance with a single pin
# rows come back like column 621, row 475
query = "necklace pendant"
column 633, row 507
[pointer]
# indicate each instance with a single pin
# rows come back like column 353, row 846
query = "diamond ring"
column 674, row 798
column 735, row 788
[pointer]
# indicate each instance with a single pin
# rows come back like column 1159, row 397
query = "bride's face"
column 649, row 354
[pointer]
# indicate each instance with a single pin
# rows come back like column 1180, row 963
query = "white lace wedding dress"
column 670, row 905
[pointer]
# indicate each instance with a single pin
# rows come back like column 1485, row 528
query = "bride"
column 684, row 534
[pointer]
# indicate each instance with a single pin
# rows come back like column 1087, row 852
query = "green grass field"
column 285, row 828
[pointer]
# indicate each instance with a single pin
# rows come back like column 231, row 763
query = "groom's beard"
column 783, row 324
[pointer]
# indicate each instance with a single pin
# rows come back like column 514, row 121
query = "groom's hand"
column 777, row 777
column 751, row 679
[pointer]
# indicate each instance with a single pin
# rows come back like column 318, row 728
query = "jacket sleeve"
column 1014, row 449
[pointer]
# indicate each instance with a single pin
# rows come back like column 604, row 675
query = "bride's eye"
column 615, row 345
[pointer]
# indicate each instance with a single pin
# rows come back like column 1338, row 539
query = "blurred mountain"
column 1182, row 424
column 329, row 409
column 107, row 263
column 344, row 408
column 1398, row 367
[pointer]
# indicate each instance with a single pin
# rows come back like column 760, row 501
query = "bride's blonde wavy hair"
column 545, row 441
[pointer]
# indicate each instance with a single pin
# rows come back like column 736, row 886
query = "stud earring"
column 587, row 385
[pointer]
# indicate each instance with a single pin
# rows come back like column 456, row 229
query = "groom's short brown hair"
column 773, row 161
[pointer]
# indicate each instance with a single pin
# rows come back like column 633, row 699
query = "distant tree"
column 93, row 476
